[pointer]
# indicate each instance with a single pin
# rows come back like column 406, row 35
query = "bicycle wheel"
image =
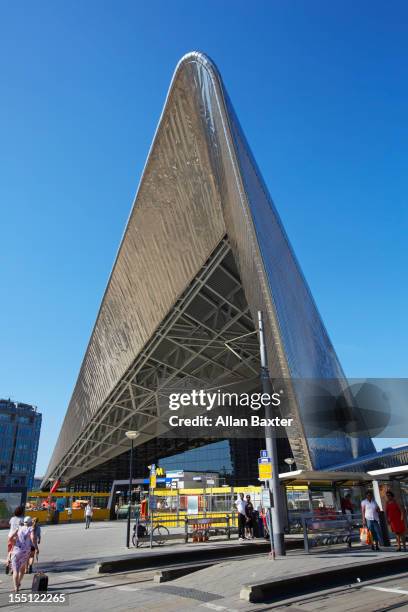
column 160, row 532
column 141, row 540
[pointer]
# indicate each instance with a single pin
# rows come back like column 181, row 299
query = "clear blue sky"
column 321, row 91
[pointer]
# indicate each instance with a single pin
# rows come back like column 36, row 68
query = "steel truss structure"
column 191, row 344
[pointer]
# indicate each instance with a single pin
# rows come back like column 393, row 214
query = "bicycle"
column 142, row 535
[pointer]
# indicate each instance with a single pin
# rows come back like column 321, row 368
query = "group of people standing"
column 394, row 513
column 247, row 517
column 22, row 545
column 370, row 511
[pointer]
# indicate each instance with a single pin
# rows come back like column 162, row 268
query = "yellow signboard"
column 152, row 481
column 265, row 471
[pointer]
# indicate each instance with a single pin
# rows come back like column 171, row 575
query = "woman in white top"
column 23, row 538
column 14, row 523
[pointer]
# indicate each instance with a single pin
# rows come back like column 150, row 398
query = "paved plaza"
column 69, row 554
column 73, row 546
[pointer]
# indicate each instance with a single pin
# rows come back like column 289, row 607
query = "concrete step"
column 319, row 578
column 173, row 573
column 193, row 552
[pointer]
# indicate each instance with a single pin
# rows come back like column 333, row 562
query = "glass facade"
column 215, row 457
column 20, row 426
column 235, row 460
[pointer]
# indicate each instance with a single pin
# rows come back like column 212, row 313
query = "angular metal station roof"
column 203, row 251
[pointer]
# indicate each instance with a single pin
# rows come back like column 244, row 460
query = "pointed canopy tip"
column 200, row 57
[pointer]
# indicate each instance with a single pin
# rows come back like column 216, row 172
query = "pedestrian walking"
column 88, row 515
column 371, row 518
column 34, row 549
column 396, row 519
column 23, row 540
column 15, row 521
column 240, row 504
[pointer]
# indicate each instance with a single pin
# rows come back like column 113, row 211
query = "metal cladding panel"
column 199, row 183
column 307, row 347
column 175, row 224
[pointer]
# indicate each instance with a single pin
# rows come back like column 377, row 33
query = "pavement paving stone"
column 227, row 578
column 72, row 547
column 70, row 553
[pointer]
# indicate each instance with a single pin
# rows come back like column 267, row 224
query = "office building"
column 20, row 426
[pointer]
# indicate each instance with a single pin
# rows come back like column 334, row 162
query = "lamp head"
column 132, row 435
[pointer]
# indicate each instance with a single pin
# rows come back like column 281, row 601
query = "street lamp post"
column 271, row 448
column 50, row 480
column 289, row 461
column 131, row 435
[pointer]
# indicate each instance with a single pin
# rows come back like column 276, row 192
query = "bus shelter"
column 321, row 494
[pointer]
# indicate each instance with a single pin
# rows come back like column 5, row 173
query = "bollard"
column 384, row 529
column 137, row 531
column 305, row 538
